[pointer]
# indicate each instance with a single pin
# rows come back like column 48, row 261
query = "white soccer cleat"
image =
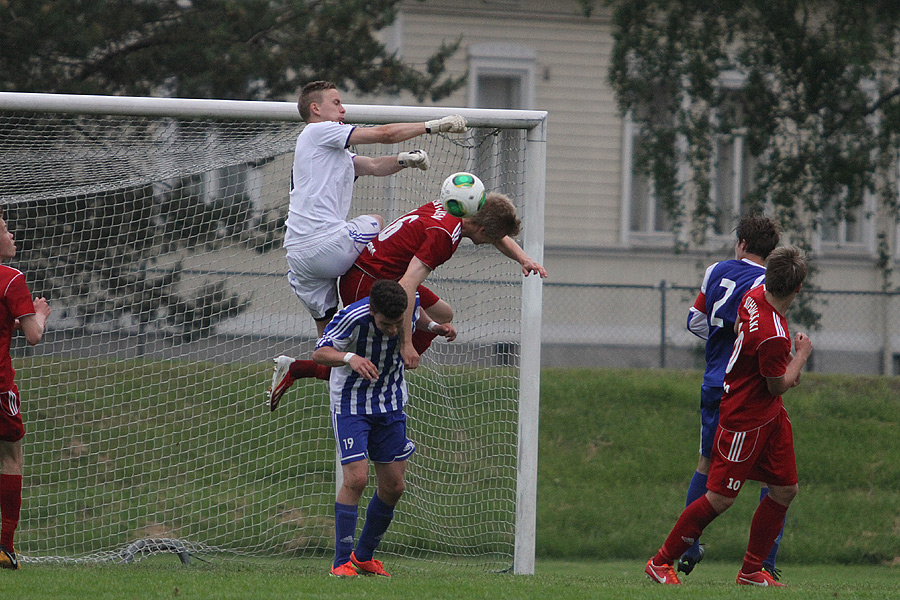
column 281, row 380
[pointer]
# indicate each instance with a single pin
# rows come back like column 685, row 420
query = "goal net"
column 154, row 228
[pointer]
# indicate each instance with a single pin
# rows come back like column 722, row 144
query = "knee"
column 719, row 502
column 355, row 482
column 783, row 494
column 390, row 492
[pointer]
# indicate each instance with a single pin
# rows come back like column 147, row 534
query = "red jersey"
column 762, row 349
column 429, row 233
column 15, row 302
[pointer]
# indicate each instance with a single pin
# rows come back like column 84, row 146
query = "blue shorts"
column 381, row 438
column 710, row 397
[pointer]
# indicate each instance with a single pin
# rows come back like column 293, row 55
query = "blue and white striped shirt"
column 353, row 330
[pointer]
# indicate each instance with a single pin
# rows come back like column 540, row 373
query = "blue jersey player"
column 368, row 392
column 712, row 318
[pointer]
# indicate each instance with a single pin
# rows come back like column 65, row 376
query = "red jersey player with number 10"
column 754, row 438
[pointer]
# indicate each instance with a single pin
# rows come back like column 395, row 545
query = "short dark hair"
column 312, row 92
column 388, row 298
column 786, row 269
column 497, row 216
column 761, row 234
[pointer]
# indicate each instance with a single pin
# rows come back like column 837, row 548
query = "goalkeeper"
column 321, row 245
column 368, row 393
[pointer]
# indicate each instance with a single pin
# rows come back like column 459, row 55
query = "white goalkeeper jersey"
column 321, row 184
column 353, row 330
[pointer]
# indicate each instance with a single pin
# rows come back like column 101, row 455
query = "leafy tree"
column 100, row 250
column 235, row 49
column 98, row 254
column 817, row 100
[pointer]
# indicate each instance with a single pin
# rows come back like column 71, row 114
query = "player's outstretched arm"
column 394, row 133
column 510, row 248
column 383, row 166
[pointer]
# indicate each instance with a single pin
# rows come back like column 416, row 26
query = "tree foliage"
column 811, row 85
column 235, row 49
column 97, row 255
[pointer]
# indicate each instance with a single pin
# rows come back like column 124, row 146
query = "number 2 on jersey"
column 729, row 286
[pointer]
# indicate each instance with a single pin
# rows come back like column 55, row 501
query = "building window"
column 645, row 213
column 732, row 180
column 846, row 229
column 500, row 76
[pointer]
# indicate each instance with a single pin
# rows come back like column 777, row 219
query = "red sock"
column 422, row 340
column 764, row 528
column 690, row 525
column 10, row 505
column 303, row 369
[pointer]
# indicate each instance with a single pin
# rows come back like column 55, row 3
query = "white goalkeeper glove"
column 414, row 158
column 451, row 124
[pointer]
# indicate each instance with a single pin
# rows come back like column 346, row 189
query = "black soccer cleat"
column 687, row 562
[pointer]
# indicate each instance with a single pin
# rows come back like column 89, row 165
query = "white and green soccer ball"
column 462, row 194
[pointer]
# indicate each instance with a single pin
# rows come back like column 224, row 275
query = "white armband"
column 348, row 356
column 433, row 325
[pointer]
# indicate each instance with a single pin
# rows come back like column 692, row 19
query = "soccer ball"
column 462, row 194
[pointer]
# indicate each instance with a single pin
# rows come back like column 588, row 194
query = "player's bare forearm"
column 392, row 133
column 33, row 326
column 332, row 357
column 791, row 377
column 415, row 275
column 511, row 249
column 443, row 329
column 381, row 166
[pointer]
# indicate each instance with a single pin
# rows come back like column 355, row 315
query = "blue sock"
column 696, row 489
column 378, row 518
column 345, row 516
column 773, row 553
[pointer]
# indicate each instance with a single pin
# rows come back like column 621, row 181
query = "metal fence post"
column 662, row 324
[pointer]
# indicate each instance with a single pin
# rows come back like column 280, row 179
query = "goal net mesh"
column 157, row 241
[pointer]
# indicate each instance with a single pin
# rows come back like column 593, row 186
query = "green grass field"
column 617, row 448
column 166, row 579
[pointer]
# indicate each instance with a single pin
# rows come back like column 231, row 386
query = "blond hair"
column 497, row 216
column 786, row 269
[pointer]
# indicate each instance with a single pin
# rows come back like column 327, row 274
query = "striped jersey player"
column 361, row 344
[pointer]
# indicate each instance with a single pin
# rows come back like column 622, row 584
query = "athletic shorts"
column 355, row 285
column 380, row 438
column 11, row 427
column 710, row 398
column 313, row 272
column 764, row 454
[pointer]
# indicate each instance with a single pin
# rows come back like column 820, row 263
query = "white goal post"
column 154, row 227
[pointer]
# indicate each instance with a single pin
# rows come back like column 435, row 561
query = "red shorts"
column 355, row 285
column 11, row 427
column 764, row 454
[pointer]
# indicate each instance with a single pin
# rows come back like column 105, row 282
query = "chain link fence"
column 645, row 326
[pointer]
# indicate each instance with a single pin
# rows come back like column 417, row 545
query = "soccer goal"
column 154, row 228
